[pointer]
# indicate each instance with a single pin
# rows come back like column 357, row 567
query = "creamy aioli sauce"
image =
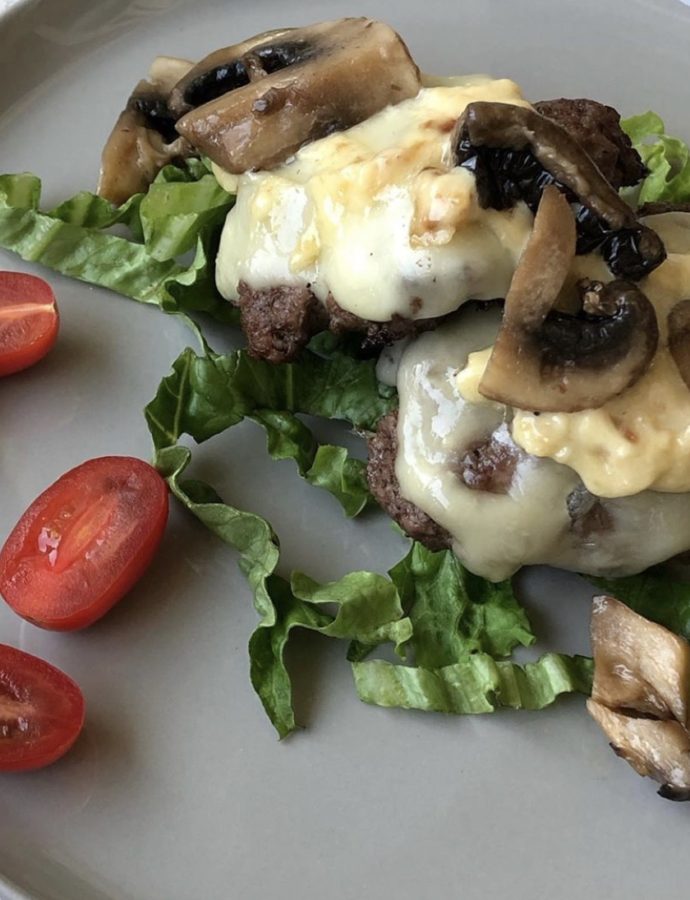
column 640, row 439
column 495, row 534
column 377, row 216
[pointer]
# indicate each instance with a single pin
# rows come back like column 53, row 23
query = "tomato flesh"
column 84, row 542
column 29, row 321
column 41, row 711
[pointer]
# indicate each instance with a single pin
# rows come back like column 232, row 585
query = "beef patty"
column 279, row 321
column 597, row 128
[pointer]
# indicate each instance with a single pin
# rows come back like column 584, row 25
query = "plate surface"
column 178, row 788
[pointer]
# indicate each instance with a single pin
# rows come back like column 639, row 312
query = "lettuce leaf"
column 360, row 604
column 654, row 596
column 205, row 395
column 461, row 628
column 367, row 607
column 22, row 191
column 454, row 612
column 87, row 210
column 477, row 684
column 667, row 158
column 183, row 210
column 175, row 213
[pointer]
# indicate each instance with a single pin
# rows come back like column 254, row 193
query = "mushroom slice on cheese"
column 515, row 153
column 232, row 67
column 548, row 360
column 300, row 86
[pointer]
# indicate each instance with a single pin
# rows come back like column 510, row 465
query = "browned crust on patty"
column 279, row 322
column 596, row 127
column 383, row 484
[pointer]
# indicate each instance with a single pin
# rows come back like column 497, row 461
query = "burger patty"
column 279, row 321
column 487, row 466
column 596, row 127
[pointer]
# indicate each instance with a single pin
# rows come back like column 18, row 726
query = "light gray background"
column 179, row 788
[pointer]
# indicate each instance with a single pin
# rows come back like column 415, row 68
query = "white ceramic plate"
column 179, row 788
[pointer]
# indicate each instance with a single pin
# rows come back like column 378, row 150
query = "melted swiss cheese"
column 378, row 216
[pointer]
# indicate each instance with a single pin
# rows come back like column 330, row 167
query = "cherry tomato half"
column 84, row 542
column 28, row 321
column 41, row 711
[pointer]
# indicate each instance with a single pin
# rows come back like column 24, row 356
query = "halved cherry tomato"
column 41, row 711
column 84, row 542
column 28, row 321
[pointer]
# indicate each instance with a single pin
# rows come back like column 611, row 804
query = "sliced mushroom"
column 641, row 693
column 313, row 81
column 226, row 70
column 144, row 138
column 552, row 361
column 639, row 665
column 658, row 749
column 679, row 338
column 515, row 153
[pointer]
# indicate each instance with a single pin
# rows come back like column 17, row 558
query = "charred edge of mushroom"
column 274, row 57
column 216, row 82
column 515, row 153
column 679, row 338
column 264, row 59
column 677, row 794
column 155, row 114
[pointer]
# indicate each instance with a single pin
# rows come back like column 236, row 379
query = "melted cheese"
column 377, row 216
column 495, row 534
column 640, row 439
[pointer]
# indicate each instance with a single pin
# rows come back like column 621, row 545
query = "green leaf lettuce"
column 204, row 395
column 183, row 210
column 667, row 158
